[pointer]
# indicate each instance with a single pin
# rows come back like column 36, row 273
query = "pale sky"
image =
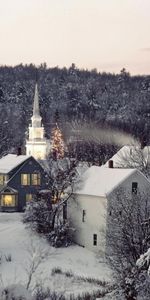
column 103, row 34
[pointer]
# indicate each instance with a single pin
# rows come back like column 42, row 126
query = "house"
column 91, row 205
column 132, row 157
column 21, row 177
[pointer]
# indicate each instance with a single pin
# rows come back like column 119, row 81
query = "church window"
column 134, row 188
column 36, row 179
column 8, row 200
column 83, row 215
column 25, row 179
column 94, row 239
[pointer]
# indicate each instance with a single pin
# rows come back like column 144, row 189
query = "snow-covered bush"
column 43, row 219
column 15, row 292
column 39, row 215
column 61, row 235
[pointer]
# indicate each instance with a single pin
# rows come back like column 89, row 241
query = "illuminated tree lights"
column 57, row 143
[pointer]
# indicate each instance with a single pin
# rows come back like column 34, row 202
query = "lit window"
column 134, row 188
column 94, row 239
column 3, row 179
column 29, row 197
column 25, row 179
column 36, row 179
column 83, row 215
column 8, row 200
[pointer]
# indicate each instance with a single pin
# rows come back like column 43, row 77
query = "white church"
column 37, row 145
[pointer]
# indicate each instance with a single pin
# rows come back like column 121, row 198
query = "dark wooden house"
column 21, row 177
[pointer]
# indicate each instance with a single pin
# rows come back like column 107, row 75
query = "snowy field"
column 20, row 249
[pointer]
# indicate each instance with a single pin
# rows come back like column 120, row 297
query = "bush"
column 15, row 292
column 43, row 218
column 60, row 236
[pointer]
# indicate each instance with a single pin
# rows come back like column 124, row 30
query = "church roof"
column 11, row 161
column 100, row 181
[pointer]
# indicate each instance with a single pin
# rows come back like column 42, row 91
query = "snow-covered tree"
column 47, row 213
column 57, row 145
column 128, row 237
column 135, row 157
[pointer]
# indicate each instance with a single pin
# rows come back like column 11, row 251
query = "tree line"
column 117, row 101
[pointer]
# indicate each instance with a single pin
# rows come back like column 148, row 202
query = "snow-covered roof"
column 130, row 156
column 99, row 181
column 11, row 161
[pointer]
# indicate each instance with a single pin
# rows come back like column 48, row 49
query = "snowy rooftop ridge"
column 130, row 155
column 100, row 181
column 11, row 161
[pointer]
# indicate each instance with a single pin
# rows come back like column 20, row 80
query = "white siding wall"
column 97, row 212
column 95, row 221
column 126, row 185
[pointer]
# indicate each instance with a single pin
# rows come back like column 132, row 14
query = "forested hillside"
column 120, row 101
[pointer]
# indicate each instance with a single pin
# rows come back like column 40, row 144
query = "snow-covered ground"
column 20, row 248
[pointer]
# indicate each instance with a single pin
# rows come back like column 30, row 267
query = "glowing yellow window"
column 29, row 197
column 36, row 179
column 3, row 179
column 25, row 179
column 8, row 200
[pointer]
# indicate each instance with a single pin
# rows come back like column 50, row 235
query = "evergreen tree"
column 57, row 143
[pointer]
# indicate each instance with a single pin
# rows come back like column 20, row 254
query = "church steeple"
column 36, row 145
column 36, row 118
column 36, row 110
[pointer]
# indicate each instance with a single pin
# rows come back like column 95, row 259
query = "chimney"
column 110, row 164
column 19, row 152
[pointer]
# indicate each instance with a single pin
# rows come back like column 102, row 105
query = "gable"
column 29, row 166
column 99, row 181
column 8, row 189
column 138, row 178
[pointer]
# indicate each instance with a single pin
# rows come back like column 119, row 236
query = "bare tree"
column 134, row 157
column 128, row 236
column 36, row 256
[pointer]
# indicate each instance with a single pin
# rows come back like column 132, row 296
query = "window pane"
column 134, row 187
column 1, row 179
column 29, row 197
column 36, row 179
column 95, row 239
column 83, row 215
column 25, row 179
column 8, row 200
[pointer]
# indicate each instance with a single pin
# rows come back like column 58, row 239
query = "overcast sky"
column 103, row 34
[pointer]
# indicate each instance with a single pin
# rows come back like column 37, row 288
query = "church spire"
column 36, row 110
column 36, row 144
